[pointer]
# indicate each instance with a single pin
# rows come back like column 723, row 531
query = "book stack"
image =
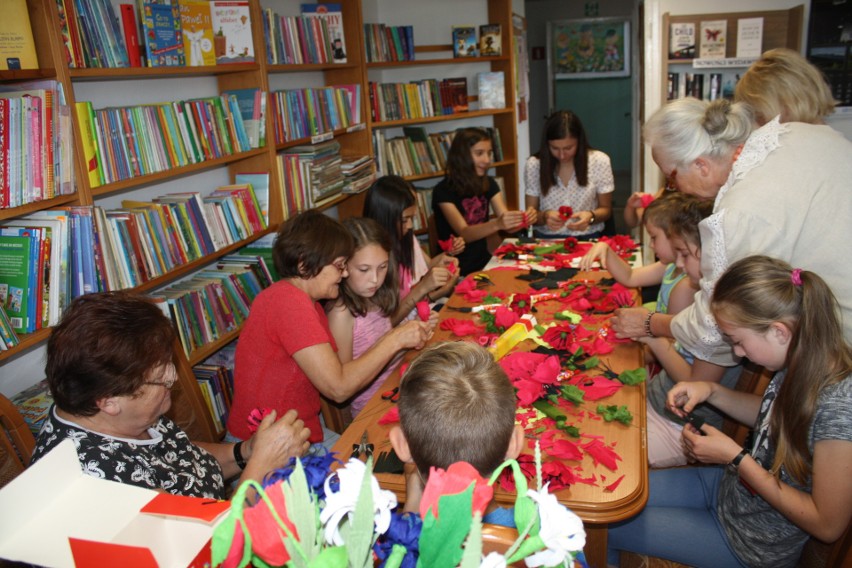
column 314, row 37
column 312, row 175
column 415, row 153
column 36, row 149
column 301, row 113
column 424, row 208
column 125, row 142
column 215, row 377
column 33, row 405
column 418, row 99
column 358, row 173
column 215, row 301
column 388, row 43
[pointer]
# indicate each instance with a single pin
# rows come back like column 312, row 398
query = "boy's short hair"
column 457, row 404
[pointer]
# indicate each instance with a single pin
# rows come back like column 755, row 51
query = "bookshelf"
column 138, row 86
column 781, row 28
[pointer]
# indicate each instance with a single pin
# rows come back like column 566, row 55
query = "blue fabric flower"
column 405, row 530
column 316, row 466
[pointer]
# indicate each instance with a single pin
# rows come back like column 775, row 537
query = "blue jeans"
column 679, row 522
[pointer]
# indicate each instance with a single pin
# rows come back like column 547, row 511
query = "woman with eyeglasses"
column 286, row 355
column 110, row 371
column 780, row 189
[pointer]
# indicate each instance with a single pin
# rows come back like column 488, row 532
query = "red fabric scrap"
column 602, row 454
column 391, row 416
column 614, row 485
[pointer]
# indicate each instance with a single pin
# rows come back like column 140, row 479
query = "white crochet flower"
column 341, row 504
column 561, row 531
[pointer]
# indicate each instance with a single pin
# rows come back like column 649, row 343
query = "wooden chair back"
column 16, row 442
column 497, row 538
column 753, row 379
column 434, row 249
column 335, row 416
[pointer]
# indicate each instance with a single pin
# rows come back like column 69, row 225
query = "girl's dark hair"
column 386, row 199
column 687, row 214
column 368, row 232
column 461, row 172
column 105, row 345
column 756, row 292
column 558, row 126
column 307, row 243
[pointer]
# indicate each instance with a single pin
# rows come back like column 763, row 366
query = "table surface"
column 592, row 502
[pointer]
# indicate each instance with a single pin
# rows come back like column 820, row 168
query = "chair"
column 432, row 228
column 335, row 416
column 497, row 538
column 16, row 442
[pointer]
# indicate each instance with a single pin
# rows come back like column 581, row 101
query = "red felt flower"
column 559, row 336
column 447, row 245
column 460, row 328
column 504, row 317
column 267, row 538
column 569, row 244
column 565, row 212
column 456, row 479
column 521, row 304
column 602, row 454
column 423, row 310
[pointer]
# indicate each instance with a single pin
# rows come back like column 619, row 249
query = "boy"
column 456, row 404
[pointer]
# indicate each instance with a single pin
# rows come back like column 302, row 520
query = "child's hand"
column 685, row 396
column 457, row 246
column 709, row 445
column 638, row 199
column 510, row 221
column 598, row 253
column 412, row 334
column 437, row 277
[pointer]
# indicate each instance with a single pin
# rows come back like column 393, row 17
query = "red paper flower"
column 504, row 317
column 235, row 554
column 564, row 449
column 525, row 222
column 569, row 244
column 527, row 465
column 447, row 245
column 460, row 328
column 559, row 336
column 267, row 538
column 521, row 304
column 565, row 212
column 391, row 416
column 646, row 199
column 456, row 479
column 600, row 387
column 423, row 310
column 528, row 391
column 466, row 285
column 255, row 417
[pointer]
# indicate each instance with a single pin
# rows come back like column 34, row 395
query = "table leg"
column 595, row 549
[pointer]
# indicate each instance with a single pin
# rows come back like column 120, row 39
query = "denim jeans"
column 679, row 522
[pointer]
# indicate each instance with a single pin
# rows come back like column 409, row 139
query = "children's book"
column 131, row 34
column 16, row 279
column 163, row 38
column 492, row 91
column 464, row 41
column 33, row 405
column 232, row 37
column 259, row 182
column 197, row 27
column 490, row 40
column 333, row 17
column 712, row 42
column 17, row 49
column 682, row 41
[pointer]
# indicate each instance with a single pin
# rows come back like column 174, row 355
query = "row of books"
column 215, row 301
column 418, row 99
column 424, row 209
column 418, row 152
column 312, row 175
column 156, row 33
column 388, row 43
column 314, row 37
column 36, row 149
column 301, row 113
column 8, row 337
column 490, row 42
column 125, row 142
column 215, row 377
column 693, row 85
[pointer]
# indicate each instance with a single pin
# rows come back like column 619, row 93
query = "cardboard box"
column 55, row 515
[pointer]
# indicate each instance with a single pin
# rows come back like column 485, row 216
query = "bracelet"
column 648, row 331
column 238, row 455
column 735, row 463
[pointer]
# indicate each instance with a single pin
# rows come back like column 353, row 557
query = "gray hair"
column 688, row 128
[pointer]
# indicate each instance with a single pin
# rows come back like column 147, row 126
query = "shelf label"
column 356, row 127
column 322, row 137
column 724, row 62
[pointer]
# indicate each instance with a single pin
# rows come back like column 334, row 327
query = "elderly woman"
column 286, row 355
column 110, row 370
column 781, row 190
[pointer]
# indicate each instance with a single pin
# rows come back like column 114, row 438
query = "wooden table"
column 596, row 505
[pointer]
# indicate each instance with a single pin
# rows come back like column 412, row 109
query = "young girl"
column 460, row 201
column 391, row 203
column 676, row 290
column 566, row 171
column 664, row 428
column 793, row 480
column 368, row 297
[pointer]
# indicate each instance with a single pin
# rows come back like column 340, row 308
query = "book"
column 163, row 37
column 714, row 90
column 455, row 89
column 197, row 27
column 749, row 37
column 259, row 183
column 16, row 281
column 33, row 404
column 682, row 41
column 131, row 34
column 490, row 40
column 232, row 37
column 332, row 16
column 695, row 85
column 713, row 40
column 464, row 41
column 17, row 48
column 672, row 86
column 492, row 91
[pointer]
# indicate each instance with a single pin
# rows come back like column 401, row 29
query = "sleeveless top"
column 366, row 331
column 666, row 287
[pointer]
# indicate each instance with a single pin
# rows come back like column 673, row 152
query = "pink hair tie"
column 796, row 277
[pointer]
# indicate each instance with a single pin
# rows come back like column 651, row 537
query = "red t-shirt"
column 282, row 321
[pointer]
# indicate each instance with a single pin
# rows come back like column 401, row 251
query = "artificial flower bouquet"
column 309, row 516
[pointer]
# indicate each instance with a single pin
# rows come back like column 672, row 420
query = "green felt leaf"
column 489, row 299
column 633, row 376
column 591, row 363
column 572, row 393
column 334, row 557
column 472, row 555
column 441, row 539
column 613, row 412
column 359, row 541
column 529, row 546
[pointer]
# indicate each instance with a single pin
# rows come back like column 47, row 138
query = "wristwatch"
column 592, row 220
column 734, row 466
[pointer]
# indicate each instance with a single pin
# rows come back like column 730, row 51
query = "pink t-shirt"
column 283, row 320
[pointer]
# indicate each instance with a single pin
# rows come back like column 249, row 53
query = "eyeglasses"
column 671, row 181
column 168, row 383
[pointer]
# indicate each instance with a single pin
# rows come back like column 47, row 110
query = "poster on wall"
column 589, row 48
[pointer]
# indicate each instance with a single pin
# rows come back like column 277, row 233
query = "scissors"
column 365, row 447
column 482, row 280
column 391, row 395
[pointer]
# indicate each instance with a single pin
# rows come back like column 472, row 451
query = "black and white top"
column 168, row 461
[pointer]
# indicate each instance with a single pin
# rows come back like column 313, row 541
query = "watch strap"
column 735, row 463
column 238, row 455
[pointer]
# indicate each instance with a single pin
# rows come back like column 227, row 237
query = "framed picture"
column 589, row 48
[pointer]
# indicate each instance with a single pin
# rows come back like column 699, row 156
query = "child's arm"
column 679, row 368
column 681, row 296
column 438, row 278
column 621, row 270
column 341, row 322
column 503, row 221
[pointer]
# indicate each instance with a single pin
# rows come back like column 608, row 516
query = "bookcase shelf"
column 419, row 177
column 28, row 341
column 199, row 355
column 443, row 118
column 291, row 68
column 13, row 212
column 309, row 139
column 440, row 61
column 129, row 73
